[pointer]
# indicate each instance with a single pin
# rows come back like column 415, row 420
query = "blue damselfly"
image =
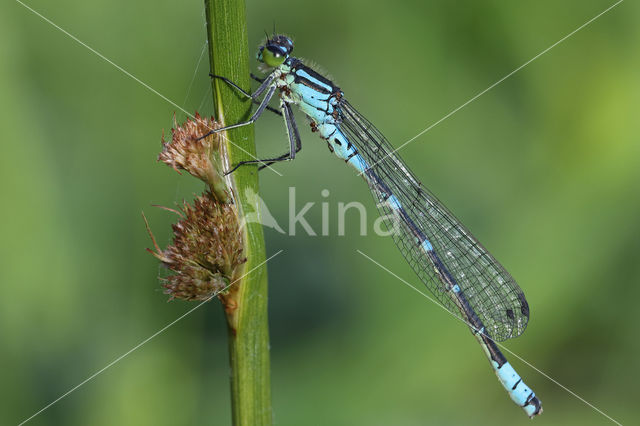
column 453, row 265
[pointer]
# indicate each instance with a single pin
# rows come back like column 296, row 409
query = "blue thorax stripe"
column 308, row 77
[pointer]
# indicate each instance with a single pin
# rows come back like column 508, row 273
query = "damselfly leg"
column 244, row 92
column 295, row 143
column 254, row 117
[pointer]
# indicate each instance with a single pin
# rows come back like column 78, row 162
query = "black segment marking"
column 384, row 189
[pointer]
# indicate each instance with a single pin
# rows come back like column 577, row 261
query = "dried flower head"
column 185, row 151
column 206, row 251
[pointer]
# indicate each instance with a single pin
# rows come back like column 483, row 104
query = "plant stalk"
column 247, row 314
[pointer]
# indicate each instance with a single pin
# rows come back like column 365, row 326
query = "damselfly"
column 453, row 265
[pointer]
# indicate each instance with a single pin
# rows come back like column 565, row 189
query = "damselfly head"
column 275, row 50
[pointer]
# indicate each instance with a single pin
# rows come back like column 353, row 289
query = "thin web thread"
column 497, row 343
column 127, row 73
column 202, row 102
column 495, row 84
column 195, row 73
column 144, row 341
column 186, row 98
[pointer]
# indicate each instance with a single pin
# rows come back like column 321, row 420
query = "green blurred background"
column 544, row 169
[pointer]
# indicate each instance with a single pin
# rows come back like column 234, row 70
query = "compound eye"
column 271, row 58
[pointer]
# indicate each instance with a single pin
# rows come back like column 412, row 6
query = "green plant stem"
column 248, row 326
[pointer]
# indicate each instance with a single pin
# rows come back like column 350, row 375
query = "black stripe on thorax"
column 299, row 66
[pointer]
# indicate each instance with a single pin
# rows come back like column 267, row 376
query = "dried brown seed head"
column 185, row 151
column 206, row 251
